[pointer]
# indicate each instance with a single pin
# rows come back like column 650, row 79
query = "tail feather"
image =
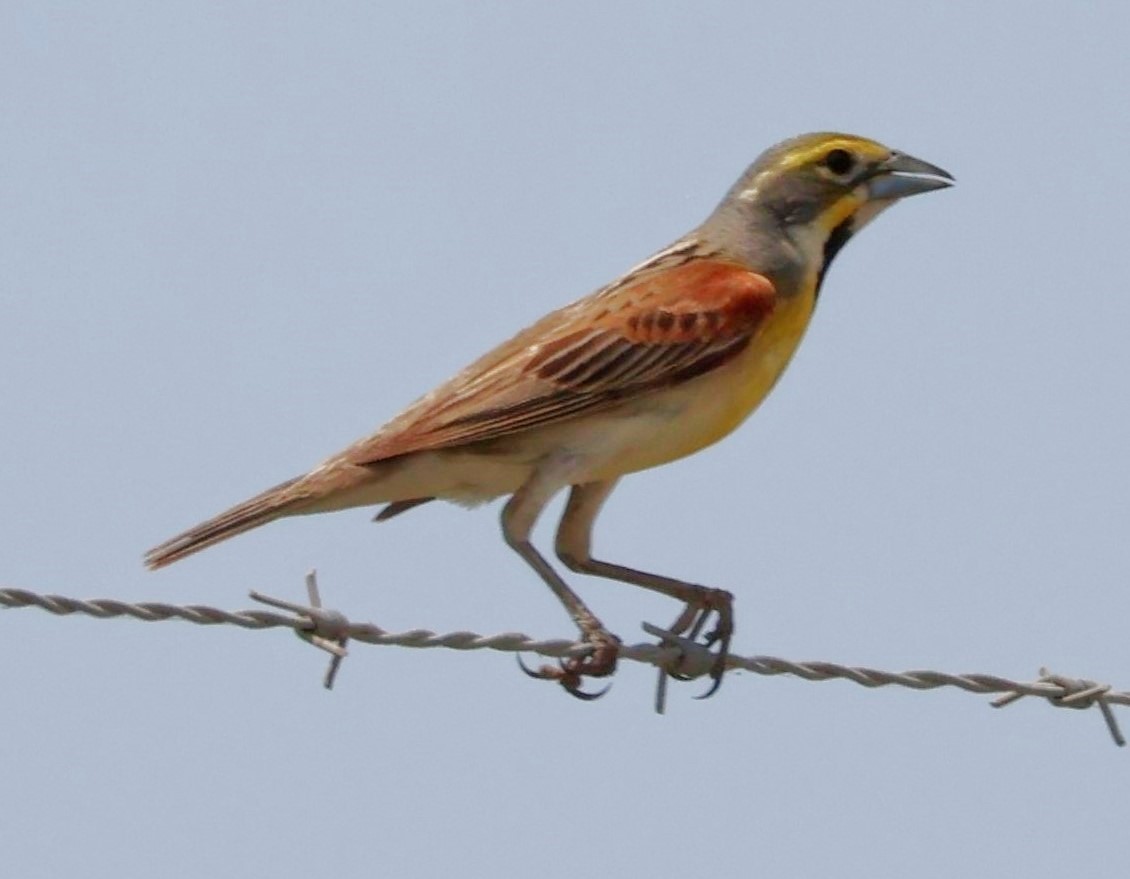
column 259, row 510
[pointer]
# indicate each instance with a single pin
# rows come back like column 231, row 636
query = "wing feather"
column 657, row 329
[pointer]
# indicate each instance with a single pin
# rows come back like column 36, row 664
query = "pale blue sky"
column 235, row 237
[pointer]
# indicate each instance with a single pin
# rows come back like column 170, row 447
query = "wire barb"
column 687, row 659
column 331, row 631
column 326, row 629
column 1071, row 693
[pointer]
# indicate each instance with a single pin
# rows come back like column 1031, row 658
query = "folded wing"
column 665, row 327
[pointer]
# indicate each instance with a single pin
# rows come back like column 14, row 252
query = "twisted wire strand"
column 331, row 631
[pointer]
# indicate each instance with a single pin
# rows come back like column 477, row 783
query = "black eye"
column 839, row 162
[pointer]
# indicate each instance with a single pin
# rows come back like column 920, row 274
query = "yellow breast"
column 759, row 367
column 678, row 422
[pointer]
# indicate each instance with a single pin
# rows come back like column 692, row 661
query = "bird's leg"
column 574, row 544
column 518, row 518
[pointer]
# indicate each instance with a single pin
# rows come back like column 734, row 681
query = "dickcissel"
column 664, row 361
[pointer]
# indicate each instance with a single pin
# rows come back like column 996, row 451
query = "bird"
column 660, row 363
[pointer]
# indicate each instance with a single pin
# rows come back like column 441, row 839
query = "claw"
column 542, row 674
column 719, row 669
column 713, row 687
column 689, row 626
column 578, row 693
column 680, row 677
column 570, row 673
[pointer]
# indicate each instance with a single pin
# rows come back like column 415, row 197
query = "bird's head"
column 811, row 193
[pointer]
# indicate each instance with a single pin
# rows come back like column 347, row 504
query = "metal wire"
column 331, row 631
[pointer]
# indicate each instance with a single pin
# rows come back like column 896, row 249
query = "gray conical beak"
column 902, row 175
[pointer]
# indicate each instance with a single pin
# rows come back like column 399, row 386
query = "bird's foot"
column 709, row 603
column 570, row 673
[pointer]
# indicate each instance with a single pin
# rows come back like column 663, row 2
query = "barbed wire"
column 331, row 631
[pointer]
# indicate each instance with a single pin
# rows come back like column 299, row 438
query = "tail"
column 259, row 510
